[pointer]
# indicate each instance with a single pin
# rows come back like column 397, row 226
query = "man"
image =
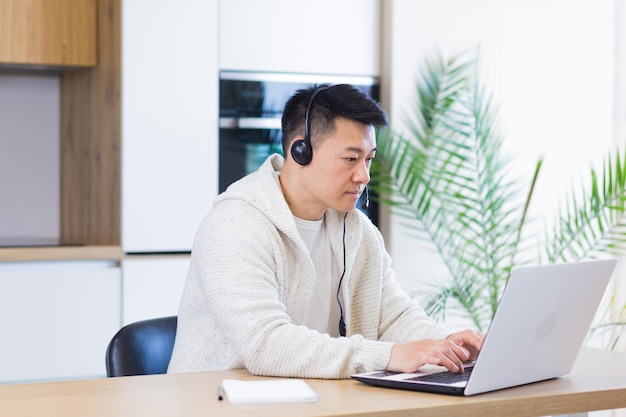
column 288, row 279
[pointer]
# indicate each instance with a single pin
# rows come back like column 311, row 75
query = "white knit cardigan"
column 251, row 279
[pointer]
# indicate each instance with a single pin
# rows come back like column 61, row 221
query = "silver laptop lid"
column 541, row 323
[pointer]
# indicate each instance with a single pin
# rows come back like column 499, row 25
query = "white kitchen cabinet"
column 57, row 319
column 152, row 287
column 169, row 121
column 323, row 36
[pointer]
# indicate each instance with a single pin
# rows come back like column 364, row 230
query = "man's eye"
column 351, row 159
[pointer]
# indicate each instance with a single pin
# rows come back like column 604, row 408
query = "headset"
column 301, row 150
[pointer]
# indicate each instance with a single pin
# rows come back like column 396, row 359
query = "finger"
column 477, row 344
column 453, row 363
column 479, row 337
column 460, row 352
column 470, row 340
column 440, row 359
column 452, row 357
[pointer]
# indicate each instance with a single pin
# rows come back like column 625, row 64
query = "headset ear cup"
column 301, row 152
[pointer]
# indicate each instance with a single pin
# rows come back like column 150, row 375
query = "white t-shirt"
column 323, row 311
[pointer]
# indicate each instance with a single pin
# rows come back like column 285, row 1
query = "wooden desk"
column 597, row 382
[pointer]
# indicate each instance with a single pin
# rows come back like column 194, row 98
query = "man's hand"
column 449, row 353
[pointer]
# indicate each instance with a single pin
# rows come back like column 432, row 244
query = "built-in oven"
column 250, row 111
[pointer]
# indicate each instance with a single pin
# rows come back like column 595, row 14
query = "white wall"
column 550, row 64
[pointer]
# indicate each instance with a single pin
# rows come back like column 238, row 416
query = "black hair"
column 337, row 101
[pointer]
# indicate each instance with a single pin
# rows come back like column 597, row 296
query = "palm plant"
column 448, row 180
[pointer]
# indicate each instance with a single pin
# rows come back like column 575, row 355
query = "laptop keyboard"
column 444, row 377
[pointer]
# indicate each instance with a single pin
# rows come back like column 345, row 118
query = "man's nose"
column 362, row 174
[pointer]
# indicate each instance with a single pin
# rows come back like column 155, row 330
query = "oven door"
column 244, row 144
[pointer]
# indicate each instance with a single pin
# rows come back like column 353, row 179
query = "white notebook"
column 268, row 391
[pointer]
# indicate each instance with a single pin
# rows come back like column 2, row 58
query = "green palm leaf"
column 447, row 180
column 594, row 224
column 448, row 173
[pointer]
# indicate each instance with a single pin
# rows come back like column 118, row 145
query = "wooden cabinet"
column 48, row 32
column 90, row 141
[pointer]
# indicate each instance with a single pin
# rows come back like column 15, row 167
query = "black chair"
column 142, row 348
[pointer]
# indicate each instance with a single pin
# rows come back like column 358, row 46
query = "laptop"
column 540, row 325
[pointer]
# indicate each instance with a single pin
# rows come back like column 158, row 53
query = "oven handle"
column 250, row 123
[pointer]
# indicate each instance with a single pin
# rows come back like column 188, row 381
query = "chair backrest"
column 142, row 348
